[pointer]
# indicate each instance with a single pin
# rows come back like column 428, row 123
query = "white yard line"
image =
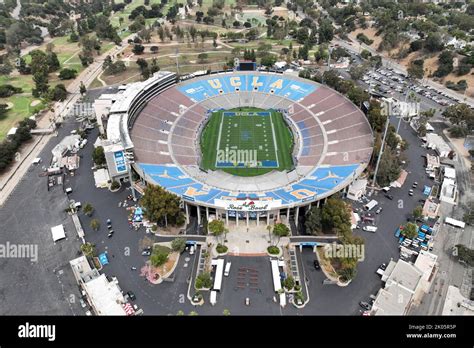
column 274, row 139
column 219, row 137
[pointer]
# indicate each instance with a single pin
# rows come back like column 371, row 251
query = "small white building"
column 432, row 162
column 402, row 284
column 437, row 143
column 449, row 191
column 357, row 189
column 449, row 173
column 104, row 296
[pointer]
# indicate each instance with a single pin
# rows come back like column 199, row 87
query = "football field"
column 246, row 142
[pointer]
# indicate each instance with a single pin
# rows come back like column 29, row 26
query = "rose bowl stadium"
column 239, row 145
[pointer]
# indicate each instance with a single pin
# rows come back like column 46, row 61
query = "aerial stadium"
column 243, row 146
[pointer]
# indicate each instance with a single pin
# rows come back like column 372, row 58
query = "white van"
column 371, row 205
column 227, row 269
column 370, row 229
column 68, row 190
column 191, row 250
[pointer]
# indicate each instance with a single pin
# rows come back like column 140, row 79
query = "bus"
column 275, row 275
column 455, row 223
column 218, row 274
column 371, row 205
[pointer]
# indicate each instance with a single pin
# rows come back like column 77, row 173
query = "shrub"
column 159, row 258
column 274, row 250
column 221, row 248
column 299, row 296
column 178, row 244
column 115, row 185
column 203, row 281
column 289, row 283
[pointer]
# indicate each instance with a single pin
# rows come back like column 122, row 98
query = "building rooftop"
column 456, row 304
column 106, row 297
column 426, row 263
column 449, row 173
column 401, row 282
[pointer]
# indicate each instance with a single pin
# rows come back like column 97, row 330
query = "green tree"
column 418, row 212
column 178, row 244
column 460, row 115
column 159, row 257
column 313, row 221
column 269, row 229
column 415, row 70
column 389, row 169
column 216, row 228
column 95, row 224
column 289, row 283
column 335, row 216
column 280, row 230
column 53, row 62
column 88, row 249
column 269, row 60
column 161, row 205
column 226, row 312
column 67, row 74
column 98, row 156
column 58, row 93
column 88, row 209
column 82, row 89
column 203, row 280
column 202, row 57
column 410, row 230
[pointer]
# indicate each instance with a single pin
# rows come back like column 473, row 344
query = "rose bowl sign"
column 248, row 204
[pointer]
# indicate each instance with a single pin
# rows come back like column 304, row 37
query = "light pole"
column 129, row 162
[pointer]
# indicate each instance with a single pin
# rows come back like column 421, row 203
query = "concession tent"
column 58, row 233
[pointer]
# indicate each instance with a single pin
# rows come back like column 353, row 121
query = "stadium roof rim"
column 308, row 172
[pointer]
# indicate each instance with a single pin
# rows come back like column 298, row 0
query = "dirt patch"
column 35, row 102
column 9, row 105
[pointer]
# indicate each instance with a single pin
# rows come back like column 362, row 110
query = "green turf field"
column 246, row 142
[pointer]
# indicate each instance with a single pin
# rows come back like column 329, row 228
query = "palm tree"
column 280, row 230
column 95, row 224
column 88, row 249
column 88, row 209
column 269, row 229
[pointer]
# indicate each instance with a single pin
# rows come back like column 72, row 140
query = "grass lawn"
column 21, row 109
column 23, row 81
column 260, row 139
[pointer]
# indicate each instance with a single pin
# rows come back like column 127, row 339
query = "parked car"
column 415, row 184
column 146, row 253
column 83, row 303
column 378, row 211
column 389, row 197
column 316, row 264
column 365, row 305
column 111, row 233
column 131, row 296
column 410, row 193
